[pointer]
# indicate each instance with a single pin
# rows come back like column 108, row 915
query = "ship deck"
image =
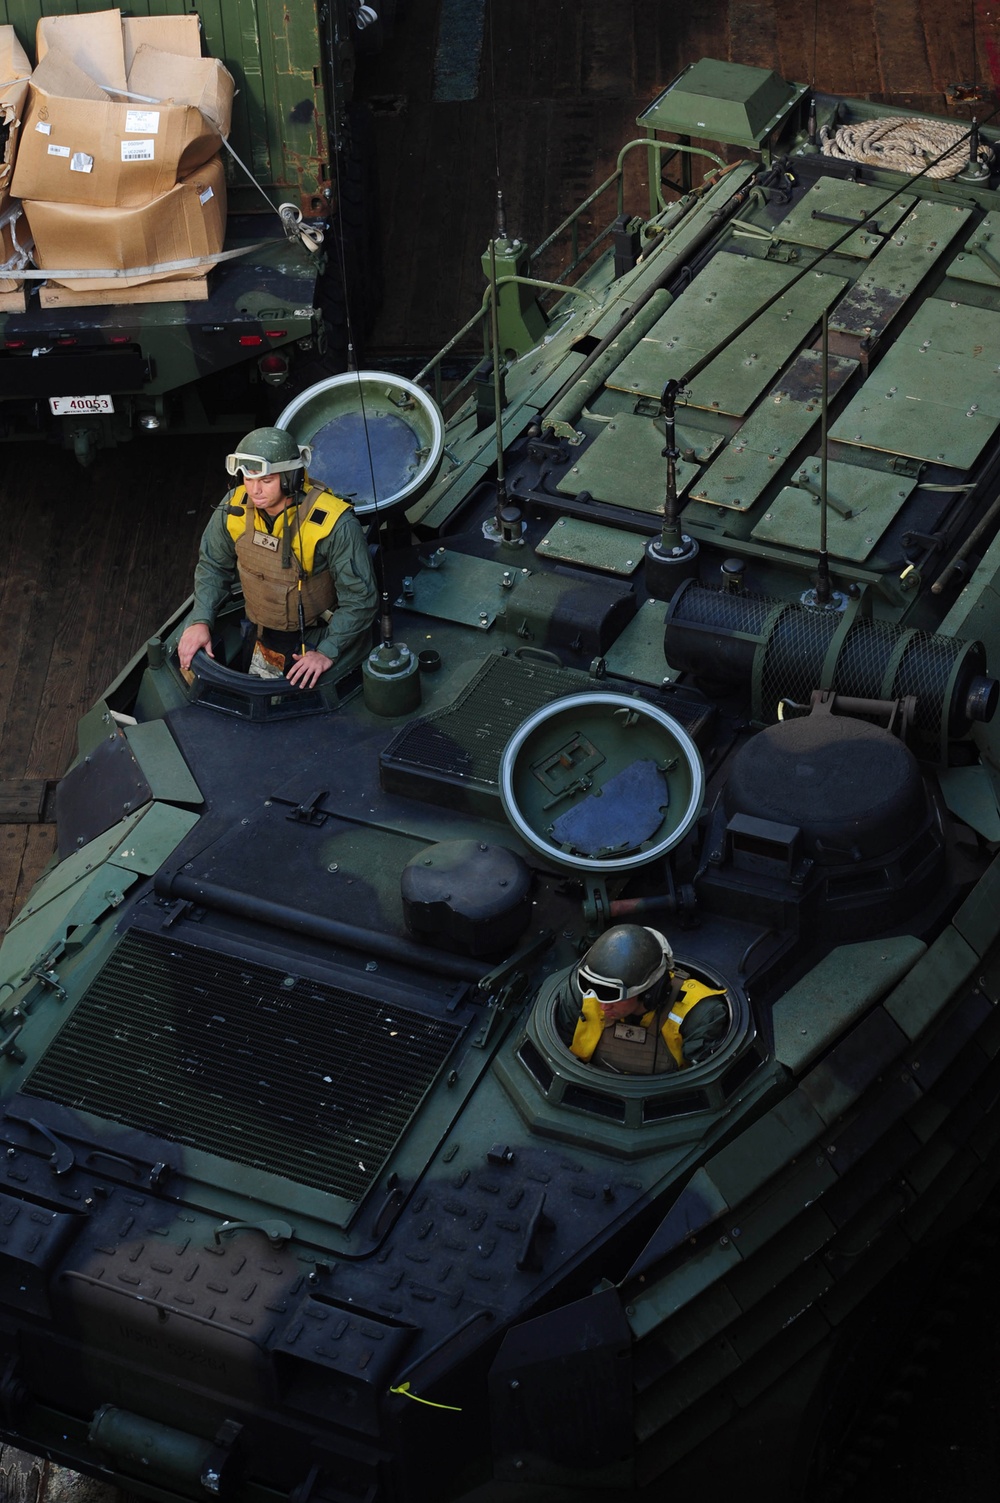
column 537, row 98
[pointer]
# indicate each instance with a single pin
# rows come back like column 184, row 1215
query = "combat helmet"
column 626, row 960
column 269, row 451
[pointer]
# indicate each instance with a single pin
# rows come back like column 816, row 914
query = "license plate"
column 66, row 406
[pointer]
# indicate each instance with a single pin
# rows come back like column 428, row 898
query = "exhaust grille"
column 310, row 1082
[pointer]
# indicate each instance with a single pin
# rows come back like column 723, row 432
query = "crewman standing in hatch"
column 302, row 561
column 627, row 1009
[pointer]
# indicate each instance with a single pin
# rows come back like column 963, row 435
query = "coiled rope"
column 937, row 147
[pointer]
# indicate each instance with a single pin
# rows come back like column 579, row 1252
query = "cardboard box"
column 11, row 257
column 80, row 145
column 14, row 71
column 14, row 63
column 6, row 243
column 107, row 45
column 187, row 222
column 93, row 42
column 178, row 34
column 11, row 109
column 88, row 39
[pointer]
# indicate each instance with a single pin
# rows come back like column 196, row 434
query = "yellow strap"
column 404, row 1389
column 692, row 993
column 589, row 1027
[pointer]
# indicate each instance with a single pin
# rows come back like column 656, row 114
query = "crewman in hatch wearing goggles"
column 302, row 562
column 628, row 1010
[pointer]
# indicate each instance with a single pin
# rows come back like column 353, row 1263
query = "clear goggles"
column 611, row 989
column 254, row 464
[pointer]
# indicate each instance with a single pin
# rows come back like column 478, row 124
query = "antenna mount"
column 671, row 558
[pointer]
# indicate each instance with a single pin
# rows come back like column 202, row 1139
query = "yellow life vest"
column 592, row 1022
column 589, row 1027
column 692, row 992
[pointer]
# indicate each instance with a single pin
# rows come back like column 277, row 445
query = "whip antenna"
column 823, row 590
column 501, row 234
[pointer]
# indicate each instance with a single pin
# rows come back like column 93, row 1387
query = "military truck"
column 301, row 161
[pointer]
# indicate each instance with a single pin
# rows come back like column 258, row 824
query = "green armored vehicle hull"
column 299, row 271
column 311, row 1189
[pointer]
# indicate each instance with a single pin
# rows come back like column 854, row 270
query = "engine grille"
column 280, row 1073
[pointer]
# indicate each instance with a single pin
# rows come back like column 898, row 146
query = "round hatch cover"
column 601, row 782
column 376, row 438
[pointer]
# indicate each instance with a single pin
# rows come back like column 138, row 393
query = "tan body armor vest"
column 634, row 1046
column 640, row 1045
column 272, row 566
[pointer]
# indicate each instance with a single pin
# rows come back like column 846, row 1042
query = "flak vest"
column 635, row 1046
column 272, row 565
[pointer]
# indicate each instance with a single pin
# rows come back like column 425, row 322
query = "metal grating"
column 453, row 755
column 793, row 659
column 878, row 659
column 714, row 608
column 466, row 739
column 282, row 1074
column 875, row 660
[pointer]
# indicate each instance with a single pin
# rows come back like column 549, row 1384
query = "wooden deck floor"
column 92, row 563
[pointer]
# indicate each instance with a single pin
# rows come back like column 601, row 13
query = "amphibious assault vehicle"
column 690, row 611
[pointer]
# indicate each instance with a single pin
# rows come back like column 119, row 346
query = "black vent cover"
column 287, row 1075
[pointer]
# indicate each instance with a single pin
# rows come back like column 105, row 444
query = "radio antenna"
column 823, row 589
column 505, row 524
column 498, row 394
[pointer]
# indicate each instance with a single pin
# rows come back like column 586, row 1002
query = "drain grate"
column 310, row 1082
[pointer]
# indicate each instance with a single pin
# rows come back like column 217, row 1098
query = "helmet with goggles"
column 268, row 451
column 627, row 959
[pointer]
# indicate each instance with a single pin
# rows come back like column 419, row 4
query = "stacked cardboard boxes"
column 14, row 71
column 118, row 163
